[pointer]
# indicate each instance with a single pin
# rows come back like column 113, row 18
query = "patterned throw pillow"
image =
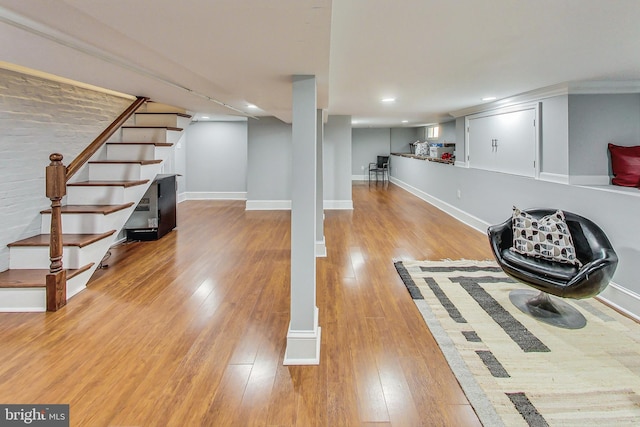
column 547, row 237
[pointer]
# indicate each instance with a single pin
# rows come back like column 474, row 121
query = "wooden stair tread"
column 125, row 184
column 79, row 240
column 98, row 209
column 166, row 113
column 153, row 127
column 157, row 144
column 33, row 278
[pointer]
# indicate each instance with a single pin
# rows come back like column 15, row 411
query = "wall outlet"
column 459, row 193
column 362, row 167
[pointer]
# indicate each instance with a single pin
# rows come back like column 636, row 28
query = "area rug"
column 517, row 371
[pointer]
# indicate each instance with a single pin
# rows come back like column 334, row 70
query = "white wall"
column 216, row 160
column 39, row 117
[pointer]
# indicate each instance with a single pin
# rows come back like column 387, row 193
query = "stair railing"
column 91, row 149
column 57, row 176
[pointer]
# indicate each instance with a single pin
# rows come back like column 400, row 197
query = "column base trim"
column 303, row 346
column 321, row 248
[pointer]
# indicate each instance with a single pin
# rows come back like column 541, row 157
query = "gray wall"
column 180, row 156
column 337, row 159
column 596, row 120
column 460, row 140
column 216, row 157
column 487, row 198
column 401, row 138
column 269, row 160
column 367, row 144
column 255, row 157
column 574, row 136
column 447, row 132
column 554, row 153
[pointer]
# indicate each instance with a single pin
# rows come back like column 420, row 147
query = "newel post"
column 56, row 188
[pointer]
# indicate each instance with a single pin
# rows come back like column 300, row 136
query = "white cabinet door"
column 504, row 141
column 481, row 141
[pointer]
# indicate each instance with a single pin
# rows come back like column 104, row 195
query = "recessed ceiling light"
column 489, row 98
column 205, row 117
column 252, row 106
column 388, row 100
column 405, row 121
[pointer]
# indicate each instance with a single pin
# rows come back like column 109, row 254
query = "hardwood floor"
column 191, row 330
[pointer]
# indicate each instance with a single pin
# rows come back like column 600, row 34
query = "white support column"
column 321, row 247
column 303, row 337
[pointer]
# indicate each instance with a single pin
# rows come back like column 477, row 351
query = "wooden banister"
column 91, row 149
column 56, row 188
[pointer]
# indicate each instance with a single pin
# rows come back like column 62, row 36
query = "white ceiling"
column 433, row 56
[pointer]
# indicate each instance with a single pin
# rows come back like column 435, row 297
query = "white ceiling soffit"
column 201, row 55
column 437, row 56
column 433, row 56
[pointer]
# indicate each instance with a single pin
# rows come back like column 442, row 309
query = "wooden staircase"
column 100, row 194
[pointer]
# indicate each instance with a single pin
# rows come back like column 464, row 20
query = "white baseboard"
column 458, row 214
column 283, row 205
column 216, row 195
column 554, row 177
column 616, row 296
column 624, row 300
column 259, row 205
column 119, row 241
column 589, row 179
column 268, row 205
column 338, row 204
column 78, row 283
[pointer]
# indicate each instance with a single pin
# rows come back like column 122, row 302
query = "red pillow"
column 625, row 162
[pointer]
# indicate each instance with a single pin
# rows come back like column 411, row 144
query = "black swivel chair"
column 381, row 166
column 593, row 249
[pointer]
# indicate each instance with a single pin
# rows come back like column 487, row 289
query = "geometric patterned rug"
column 517, row 371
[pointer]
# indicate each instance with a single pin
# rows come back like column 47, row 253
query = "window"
column 433, row 132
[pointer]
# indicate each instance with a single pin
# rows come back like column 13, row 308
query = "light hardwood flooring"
column 191, row 330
